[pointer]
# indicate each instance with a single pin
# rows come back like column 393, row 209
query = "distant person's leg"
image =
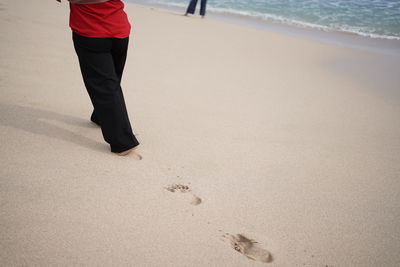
column 203, row 5
column 103, row 85
column 192, row 7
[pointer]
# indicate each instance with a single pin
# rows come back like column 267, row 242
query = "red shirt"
column 102, row 20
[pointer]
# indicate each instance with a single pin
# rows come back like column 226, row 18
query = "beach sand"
column 245, row 135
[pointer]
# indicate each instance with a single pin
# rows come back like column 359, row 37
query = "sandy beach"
column 291, row 143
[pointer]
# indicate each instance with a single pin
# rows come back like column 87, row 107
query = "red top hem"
column 102, row 20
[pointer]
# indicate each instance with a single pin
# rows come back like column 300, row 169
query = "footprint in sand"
column 248, row 247
column 184, row 189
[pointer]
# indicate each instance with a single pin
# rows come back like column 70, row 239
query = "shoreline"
column 342, row 39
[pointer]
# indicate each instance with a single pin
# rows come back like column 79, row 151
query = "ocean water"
column 371, row 18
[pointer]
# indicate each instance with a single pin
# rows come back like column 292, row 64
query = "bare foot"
column 131, row 151
column 126, row 152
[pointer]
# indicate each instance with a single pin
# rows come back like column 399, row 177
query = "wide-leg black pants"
column 102, row 62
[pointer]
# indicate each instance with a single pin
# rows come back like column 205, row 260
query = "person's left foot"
column 130, row 151
column 126, row 152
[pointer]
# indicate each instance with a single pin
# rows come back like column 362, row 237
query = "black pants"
column 102, row 62
column 192, row 7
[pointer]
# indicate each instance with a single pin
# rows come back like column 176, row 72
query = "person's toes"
column 126, row 152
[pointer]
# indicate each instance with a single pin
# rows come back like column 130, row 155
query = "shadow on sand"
column 39, row 121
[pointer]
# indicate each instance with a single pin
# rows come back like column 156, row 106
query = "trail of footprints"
column 239, row 242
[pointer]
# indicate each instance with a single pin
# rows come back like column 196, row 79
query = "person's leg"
column 203, row 5
column 119, row 52
column 94, row 118
column 103, row 86
column 192, row 7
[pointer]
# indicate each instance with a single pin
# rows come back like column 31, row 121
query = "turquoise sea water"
column 372, row 18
